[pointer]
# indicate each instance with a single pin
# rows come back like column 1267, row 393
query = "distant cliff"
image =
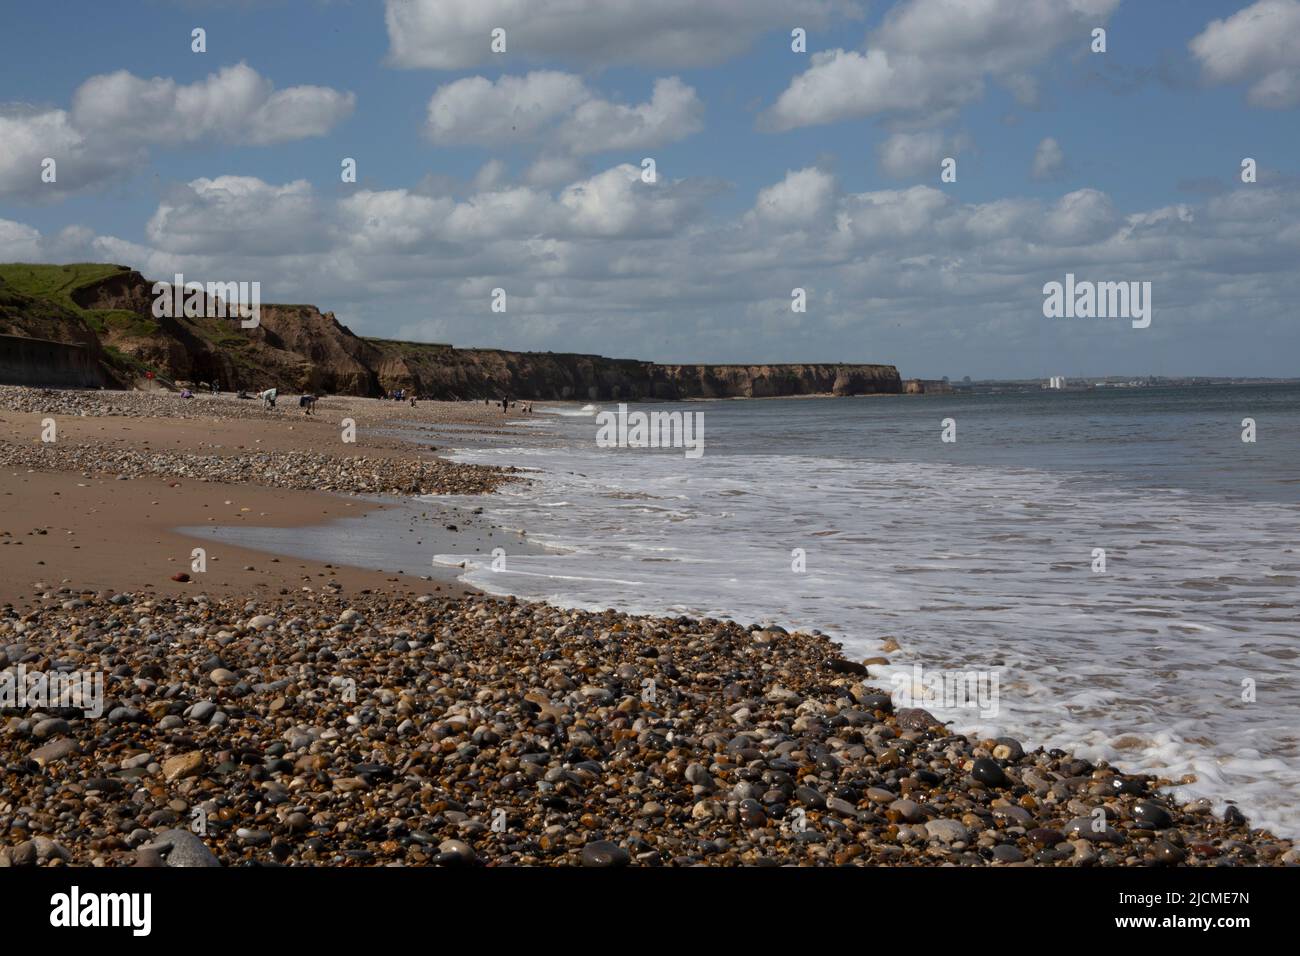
column 108, row 311
column 473, row 373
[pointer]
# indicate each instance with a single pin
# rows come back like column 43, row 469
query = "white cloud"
column 235, row 104
column 1259, row 45
column 617, row 203
column 802, row 198
column 30, row 137
column 116, row 117
column 1049, row 160
column 238, row 213
column 1085, row 215
column 18, row 242
column 612, row 204
column 612, row 265
column 455, row 34
column 891, row 216
column 919, row 153
column 491, row 175
column 672, row 113
column 558, row 109
column 514, row 109
column 930, row 57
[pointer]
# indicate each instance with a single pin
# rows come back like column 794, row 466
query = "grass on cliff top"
column 56, row 283
column 408, row 347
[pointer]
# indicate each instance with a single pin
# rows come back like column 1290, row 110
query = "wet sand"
column 90, row 529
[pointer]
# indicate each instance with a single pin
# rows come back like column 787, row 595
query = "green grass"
column 55, row 285
column 128, row 364
column 55, row 282
column 120, row 321
column 397, row 345
column 45, row 292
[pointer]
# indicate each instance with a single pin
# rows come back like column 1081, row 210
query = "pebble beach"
column 364, row 723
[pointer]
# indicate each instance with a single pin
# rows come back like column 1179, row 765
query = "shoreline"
column 886, row 788
column 102, row 476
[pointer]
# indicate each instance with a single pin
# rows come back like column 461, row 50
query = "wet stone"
column 605, row 853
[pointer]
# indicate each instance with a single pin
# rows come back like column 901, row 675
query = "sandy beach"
column 279, row 709
column 97, row 508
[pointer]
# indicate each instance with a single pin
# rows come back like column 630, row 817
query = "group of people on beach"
column 399, row 395
column 508, row 403
column 306, row 401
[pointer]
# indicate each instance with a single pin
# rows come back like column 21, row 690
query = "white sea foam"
column 564, row 411
column 968, row 568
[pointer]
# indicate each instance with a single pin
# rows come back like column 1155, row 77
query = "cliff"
column 473, row 373
column 107, row 310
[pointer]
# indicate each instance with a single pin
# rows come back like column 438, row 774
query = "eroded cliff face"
column 299, row 348
column 475, row 373
column 293, row 347
column 771, row 381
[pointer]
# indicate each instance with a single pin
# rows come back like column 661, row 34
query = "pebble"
column 456, row 852
column 184, row 765
column 51, row 727
column 605, row 853
column 908, row 810
column 500, row 704
column 1152, row 813
column 202, row 711
column 180, row 848
column 1082, row 828
column 947, row 831
column 55, row 750
column 986, row 771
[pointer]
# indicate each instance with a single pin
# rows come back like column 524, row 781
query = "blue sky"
column 939, row 278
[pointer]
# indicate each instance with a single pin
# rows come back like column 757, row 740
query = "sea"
column 1118, row 566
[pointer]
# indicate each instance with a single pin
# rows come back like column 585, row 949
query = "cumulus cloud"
column 613, row 204
column 1049, row 160
column 930, row 57
column 30, row 137
column 19, row 241
column 1258, row 45
column 455, row 34
column 908, row 154
column 560, row 111
column 235, row 104
column 237, row 212
column 115, row 117
column 802, row 198
column 1085, row 215
column 891, row 273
